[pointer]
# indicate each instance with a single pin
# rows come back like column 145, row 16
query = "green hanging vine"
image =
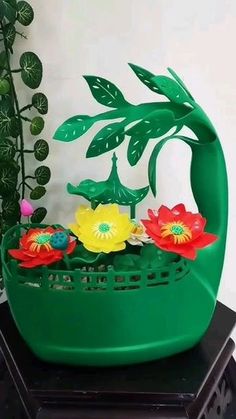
column 15, row 121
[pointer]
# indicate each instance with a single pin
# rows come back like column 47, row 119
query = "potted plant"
column 111, row 289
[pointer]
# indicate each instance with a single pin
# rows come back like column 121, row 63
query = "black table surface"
column 178, row 376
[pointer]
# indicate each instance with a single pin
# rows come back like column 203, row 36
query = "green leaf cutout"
column 25, row 13
column 38, row 215
column 42, row 175
column 4, row 86
column 106, row 139
column 9, row 33
column 8, row 10
column 73, row 128
column 41, row 150
column 10, row 208
column 8, row 178
column 145, row 77
column 7, row 150
column 37, row 192
column 136, row 148
column 40, row 102
column 155, row 153
column 37, row 125
column 105, row 92
column 154, row 125
column 32, row 69
column 171, row 89
column 178, row 79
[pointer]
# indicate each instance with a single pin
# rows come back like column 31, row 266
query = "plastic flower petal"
column 26, row 208
column 43, row 246
column 177, row 230
column 104, row 229
column 138, row 235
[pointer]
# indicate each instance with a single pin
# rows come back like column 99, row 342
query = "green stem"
column 93, row 204
column 26, row 151
column 67, row 262
column 21, row 34
column 28, row 186
column 132, row 212
column 18, row 115
column 25, row 118
column 25, row 108
column 17, row 70
column 30, row 177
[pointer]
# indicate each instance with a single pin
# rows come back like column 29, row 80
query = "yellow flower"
column 104, row 229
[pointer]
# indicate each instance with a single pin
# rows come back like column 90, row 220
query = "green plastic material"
column 109, row 191
column 115, row 318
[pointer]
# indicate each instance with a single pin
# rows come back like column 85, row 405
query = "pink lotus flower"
column 26, row 208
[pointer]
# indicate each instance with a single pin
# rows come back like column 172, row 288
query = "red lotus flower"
column 177, row 230
column 43, row 246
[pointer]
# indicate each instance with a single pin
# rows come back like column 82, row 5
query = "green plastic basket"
column 105, row 318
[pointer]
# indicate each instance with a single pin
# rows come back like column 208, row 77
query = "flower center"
column 104, row 227
column 104, row 230
column 43, row 238
column 179, row 232
column 177, row 229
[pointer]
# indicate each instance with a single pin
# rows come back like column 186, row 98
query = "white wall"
column 99, row 37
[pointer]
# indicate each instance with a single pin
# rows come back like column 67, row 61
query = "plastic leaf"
column 41, row 150
column 32, row 69
column 37, row 192
column 73, row 128
column 145, row 77
column 3, row 61
column 136, row 148
column 38, row 215
column 4, row 86
column 9, row 33
column 105, row 92
column 42, row 175
column 178, row 79
column 9, row 124
column 40, row 102
column 171, row 89
column 8, row 10
column 25, row 13
column 106, row 139
column 37, row 125
column 8, row 178
column 154, row 125
column 10, row 208
column 7, row 150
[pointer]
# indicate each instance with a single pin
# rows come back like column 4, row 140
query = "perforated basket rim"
column 91, row 279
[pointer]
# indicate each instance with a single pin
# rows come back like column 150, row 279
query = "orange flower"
column 177, row 230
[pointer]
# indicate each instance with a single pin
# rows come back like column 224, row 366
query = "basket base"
column 106, row 357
